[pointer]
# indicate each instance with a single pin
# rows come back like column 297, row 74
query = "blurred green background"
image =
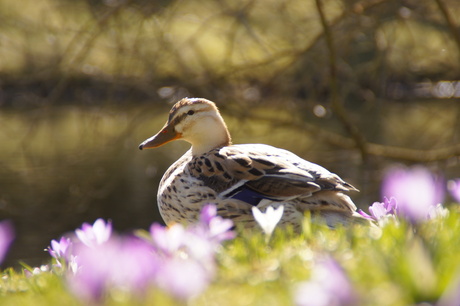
column 352, row 85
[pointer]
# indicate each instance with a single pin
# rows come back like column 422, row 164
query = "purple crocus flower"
column 416, row 190
column 199, row 238
column 183, row 278
column 168, row 240
column 60, row 249
column 381, row 212
column 6, row 237
column 178, row 260
column 186, row 260
column 213, row 226
column 454, row 188
column 95, row 234
column 329, row 285
column 178, row 242
column 451, row 296
column 127, row 264
column 187, row 255
column 206, row 236
column 437, row 211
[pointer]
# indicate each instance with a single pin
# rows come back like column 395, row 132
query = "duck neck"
column 214, row 137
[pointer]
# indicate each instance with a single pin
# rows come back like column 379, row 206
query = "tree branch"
column 450, row 23
column 374, row 149
column 81, row 54
column 336, row 102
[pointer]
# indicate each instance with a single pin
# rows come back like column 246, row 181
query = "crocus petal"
column 60, row 249
column 391, row 205
column 126, row 263
column 269, row 219
column 451, row 296
column 454, row 188
column 416, row 190
column 220, row 229
column 182, row 278
column 365, row 215
column 102, row 230
column 378, row 210
column 168, row 240
column 329, row 285
column 212, row 226
column 437, row 211
column 6, row 237
column 208, row 212
column 95, row 234
column 312, row 294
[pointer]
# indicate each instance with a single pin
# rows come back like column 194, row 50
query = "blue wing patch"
column 249, row 196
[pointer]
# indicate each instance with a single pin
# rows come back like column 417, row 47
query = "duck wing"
column 253, row 172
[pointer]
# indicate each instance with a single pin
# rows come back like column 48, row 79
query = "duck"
column 238, row 177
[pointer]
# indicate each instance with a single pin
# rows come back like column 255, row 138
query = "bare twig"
column 450, row 23
column 455, row 31
column 83, row 51
column 374, row 149
column 336, row 102
column 291, row 56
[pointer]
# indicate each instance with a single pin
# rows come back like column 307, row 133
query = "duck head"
column 196, row 121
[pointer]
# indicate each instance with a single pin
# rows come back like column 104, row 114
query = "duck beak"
column 165, row 135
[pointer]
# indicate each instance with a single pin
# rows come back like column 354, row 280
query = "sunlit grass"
column 401, row 265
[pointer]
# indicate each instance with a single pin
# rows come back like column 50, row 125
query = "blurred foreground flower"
column 437, row 211
column 185, row 261
column 187, row 254
column 6, row 237
column 214, row 227
column 269, row 219
column 184, row 278
column 416, row 190
column 199, row 240
column 454, row 188
column 36, row 270
column 95, row 234
column 120, row 264
column 451, row 296
column 177, row 260
column 329, row 285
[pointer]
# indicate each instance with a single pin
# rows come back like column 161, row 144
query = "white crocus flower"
column 269, row 219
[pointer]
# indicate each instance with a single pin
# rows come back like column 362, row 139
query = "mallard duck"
column 238, row 177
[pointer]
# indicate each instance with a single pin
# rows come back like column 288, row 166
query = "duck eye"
column 190, row 112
